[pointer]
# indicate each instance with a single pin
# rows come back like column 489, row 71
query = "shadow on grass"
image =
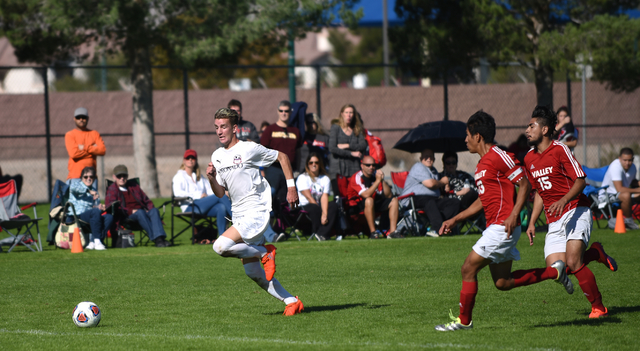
column 595, row 322
column 311, row 309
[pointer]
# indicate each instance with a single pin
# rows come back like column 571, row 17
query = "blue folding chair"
column 600, row 207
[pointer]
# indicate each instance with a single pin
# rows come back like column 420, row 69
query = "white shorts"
column 251, row 226
column 495, row 246
column 573, row 225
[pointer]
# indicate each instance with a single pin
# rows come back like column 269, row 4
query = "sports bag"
column 64, row 234
column 375, row 148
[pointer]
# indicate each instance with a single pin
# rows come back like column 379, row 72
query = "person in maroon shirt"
column 280, row 136
column 135, row 205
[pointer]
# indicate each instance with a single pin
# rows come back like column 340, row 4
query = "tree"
column 191, row 34
column 457, row 33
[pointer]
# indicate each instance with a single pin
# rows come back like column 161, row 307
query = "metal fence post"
column 318, row 86
column 446, row 97
column 584, row 112
column 47, row 131
column 185, row 88
column 292, row 72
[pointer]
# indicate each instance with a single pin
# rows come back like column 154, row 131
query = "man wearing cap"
column 134, row 204
column 83, row 144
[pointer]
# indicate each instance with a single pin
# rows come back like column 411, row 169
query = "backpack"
column 375, row 148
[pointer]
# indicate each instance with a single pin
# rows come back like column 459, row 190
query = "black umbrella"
column 438, row 136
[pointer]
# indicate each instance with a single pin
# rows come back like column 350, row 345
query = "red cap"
column 190, row 153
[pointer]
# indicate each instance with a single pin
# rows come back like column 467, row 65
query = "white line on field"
column 279, row 341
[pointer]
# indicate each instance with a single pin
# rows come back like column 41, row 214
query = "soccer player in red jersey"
column 559, row 180
column 496, row 175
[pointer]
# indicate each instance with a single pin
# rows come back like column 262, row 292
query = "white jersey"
column 615, row 172
column 238, row 171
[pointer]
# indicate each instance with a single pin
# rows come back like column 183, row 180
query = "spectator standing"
column 280, row 137
column 461, row 185
column 263, row 126
column 189, row 182
column 346, row 143
column 622, row 186
column 246, row 130
column 313, row 191
column 135, row 205
column 566, row 132
column 315, row 140
column 86, row 202
column 424, row 182
column 83, row 144
column 370, row 193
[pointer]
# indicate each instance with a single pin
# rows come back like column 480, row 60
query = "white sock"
column 97, row 241
column 256, row 273
column 226, row 247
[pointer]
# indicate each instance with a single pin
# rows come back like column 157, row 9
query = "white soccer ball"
column 86, row 314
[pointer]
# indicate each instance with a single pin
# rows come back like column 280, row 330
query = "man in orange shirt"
column 83, row 144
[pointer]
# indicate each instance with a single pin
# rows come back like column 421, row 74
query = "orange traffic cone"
column 76, row 243
column 620, row 229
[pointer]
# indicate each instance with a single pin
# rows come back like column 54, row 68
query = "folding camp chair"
column 126, row 223
column 12, row 219
column 58, row 213
column 191, row 218
column 414, row 220
column 355, row 218
column 601, row 207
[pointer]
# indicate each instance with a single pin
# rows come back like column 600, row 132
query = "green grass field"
column 358, row 294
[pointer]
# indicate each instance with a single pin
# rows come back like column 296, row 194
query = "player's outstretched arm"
column 577, row 188
column 211, row 175
column 523, row 194
column 535, row 213
column 475, row 208
column 292, row 193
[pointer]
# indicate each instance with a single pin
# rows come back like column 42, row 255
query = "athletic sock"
column 589, row 287
column 273, row 287
column 591, row 255
column 467, row 301
column 228, row 248
column 525, row 277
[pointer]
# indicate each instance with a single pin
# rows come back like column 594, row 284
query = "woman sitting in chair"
column 86, row 201
column 313, row 191
column 188, row 182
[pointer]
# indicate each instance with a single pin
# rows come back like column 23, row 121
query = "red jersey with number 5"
column 552, row 173
column 496, row 173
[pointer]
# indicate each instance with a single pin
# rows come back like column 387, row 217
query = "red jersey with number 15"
column 552, row 173
column 496, row 173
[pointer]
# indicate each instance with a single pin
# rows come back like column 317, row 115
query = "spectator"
column 263, row 126
column 83, row 144
column 346, row 143
column 86, row 201
column 622, row 186
column 461, row 185
column 316, row 141
column 280, row 137
column 566, row 133
column 189, row 182
column 519, row 148
column 369, row 192
column 313, row 191
column 246, row 130
column 424, row 182
column 18, row 178
column 135, row 205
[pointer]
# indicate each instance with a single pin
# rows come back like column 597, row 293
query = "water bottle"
column 466, row 183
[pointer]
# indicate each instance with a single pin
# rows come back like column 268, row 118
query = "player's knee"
column 222, row 245
column 503, row 284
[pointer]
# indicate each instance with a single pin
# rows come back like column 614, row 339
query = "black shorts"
column 380, row 204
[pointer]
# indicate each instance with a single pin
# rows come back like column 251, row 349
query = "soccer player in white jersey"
column 558, row 179
column 496, row 175
column 235, row 168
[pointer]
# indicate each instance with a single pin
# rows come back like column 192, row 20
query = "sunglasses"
column 82, row 117
column 284, row 111
column 88, row 177
column 314, row 163
column 451, row 163
column 122, row 176
column 190, row 158
column 369, row 164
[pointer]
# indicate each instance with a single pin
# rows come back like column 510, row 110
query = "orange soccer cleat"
column 596, row 313
column 604, row 258
column 269, row 262
column 293, row 308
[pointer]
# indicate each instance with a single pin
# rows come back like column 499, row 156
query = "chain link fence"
column 37, row 105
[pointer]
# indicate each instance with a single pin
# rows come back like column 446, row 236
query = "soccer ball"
column 86, row 314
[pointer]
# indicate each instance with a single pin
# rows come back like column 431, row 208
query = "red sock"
column 587, row 282
column 590, row 255
column 531, row 276
column 467, row 300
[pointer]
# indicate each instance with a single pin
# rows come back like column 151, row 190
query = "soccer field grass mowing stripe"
column 273, row 341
